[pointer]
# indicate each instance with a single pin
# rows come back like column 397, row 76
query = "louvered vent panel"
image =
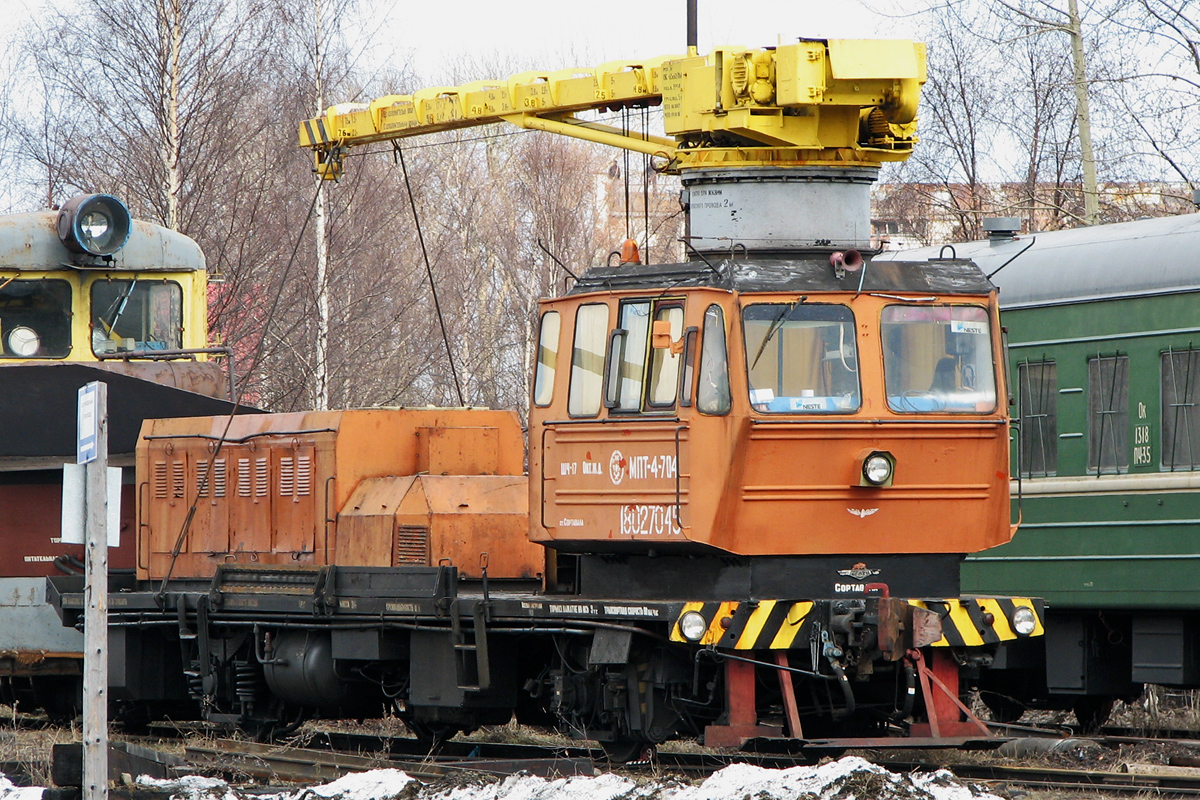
column 219, row 477
column 202, row 478
column 412, row 545
column 261, row 485
column 177, row 478
column 287, row 477
column 244, row 488
column 303, row 476
column 160, row 480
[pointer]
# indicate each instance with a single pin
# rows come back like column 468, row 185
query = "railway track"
column 328, row 755
column 280, row 763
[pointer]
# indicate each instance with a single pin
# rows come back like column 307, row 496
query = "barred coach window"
column 1180, row 420
column 1037, row 386
column 1108, row 414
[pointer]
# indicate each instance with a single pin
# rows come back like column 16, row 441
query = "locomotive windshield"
column 801, row 358
column 131, row 315
column 938, row 358
column 35, row 318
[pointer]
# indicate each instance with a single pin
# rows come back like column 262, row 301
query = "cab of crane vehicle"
column 88, row 283
column 769, row 419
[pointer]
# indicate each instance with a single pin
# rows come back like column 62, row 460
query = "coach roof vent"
column 1001, row 229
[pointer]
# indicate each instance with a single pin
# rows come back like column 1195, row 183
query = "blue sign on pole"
column 85, row 446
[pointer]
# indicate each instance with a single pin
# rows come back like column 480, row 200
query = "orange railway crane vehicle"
column 752, row 475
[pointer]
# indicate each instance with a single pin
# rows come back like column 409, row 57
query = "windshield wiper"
column 776, row 324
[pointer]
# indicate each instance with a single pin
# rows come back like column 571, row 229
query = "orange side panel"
column 468, row 516
column 458, row 451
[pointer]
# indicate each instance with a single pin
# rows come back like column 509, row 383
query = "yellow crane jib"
column 836, row 101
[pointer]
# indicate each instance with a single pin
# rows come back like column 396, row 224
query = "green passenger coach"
column 1103, row 331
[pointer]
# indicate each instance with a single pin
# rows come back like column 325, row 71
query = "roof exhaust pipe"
column 692, row 38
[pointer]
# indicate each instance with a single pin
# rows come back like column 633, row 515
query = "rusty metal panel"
column 293, row 484
column 458, row 451
column 469, row 515
column 280, row 480
column 249, row 502
column 364, row 525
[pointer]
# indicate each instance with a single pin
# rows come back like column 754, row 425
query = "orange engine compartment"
column 367, row 487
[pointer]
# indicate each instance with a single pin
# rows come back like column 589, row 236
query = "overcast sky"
column 432, row 35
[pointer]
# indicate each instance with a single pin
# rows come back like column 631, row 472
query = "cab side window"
column 547, row 359
column 664, row 361
column 629, row 351
column 712, row 391
column 587, row 360
column 643, row 368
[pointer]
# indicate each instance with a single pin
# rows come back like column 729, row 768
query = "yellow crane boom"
column 836, row 102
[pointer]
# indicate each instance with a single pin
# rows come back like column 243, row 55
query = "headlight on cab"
column 23, row 341
column 692, row 626
column 878, row 469
column 1024, row 621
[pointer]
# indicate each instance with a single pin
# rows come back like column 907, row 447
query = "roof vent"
column 1001, row 229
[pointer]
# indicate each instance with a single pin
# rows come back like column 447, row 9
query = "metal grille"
column 160, row 480
column 1038, row 389
column 260, row 477
column 1180, row 419
column 303, row 476
column 287, row 477
column 244, row 488
column 1108, row 414
column 218, row 478
column 412, row 545
column 177, row 478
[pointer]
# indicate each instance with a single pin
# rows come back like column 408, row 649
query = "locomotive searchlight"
column 94, row 224
column 877, row 469
column 692, row 626
column 1024, row 621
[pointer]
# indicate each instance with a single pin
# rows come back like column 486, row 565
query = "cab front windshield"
column 132, row 315
column 938, row 359
column 801, row 358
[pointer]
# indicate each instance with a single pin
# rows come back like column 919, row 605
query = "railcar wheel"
column 1004, row 709
column 433, row 734
column 61, row 697
column 627, row 750
column 1092, row 711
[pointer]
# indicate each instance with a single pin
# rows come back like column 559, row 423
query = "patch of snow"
column 10, row 792
column 190, row 787
column 378, row 784
column 849, row 778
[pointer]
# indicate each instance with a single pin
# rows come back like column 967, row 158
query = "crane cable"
column 625, row 175
column 429, row 271
column 646, row 185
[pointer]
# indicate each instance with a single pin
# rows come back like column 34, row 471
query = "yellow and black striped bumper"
column 764, row 625
column 778, row 624
column 972, row 622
